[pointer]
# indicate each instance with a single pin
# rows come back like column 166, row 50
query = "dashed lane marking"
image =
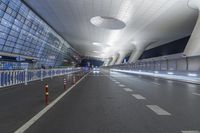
column 139, row 97
column 121, row 85
column 155, row 83
column 158, row 110
column 197, row 94
column 128, row 89
column 192, row 131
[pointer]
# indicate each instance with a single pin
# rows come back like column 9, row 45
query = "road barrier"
column 74, row 79
column 14, row 77
column 46, row 94
column 65, row 83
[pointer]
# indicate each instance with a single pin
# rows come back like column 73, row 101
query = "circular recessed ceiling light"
column 100, row 44
column 107, row 22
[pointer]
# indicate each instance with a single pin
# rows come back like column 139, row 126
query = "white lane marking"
column 128, row 89
column 139, row 97
column 197, row 94
column 117, row 82
column 158, row 110
column 121, row 85
column 24, row 127
column 192, row 131
column 155, row 83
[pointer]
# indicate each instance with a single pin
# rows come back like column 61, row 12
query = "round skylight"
column 107, row 22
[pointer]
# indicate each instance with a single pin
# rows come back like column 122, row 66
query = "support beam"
column 109, row 61
column 193, row 47
column 122, row 55
column 114, row 59
column 137, row 51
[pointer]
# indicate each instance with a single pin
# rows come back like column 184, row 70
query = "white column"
column 114, row 59
column 109, row 61
column 106, row 61
column 193, row 46
column 137, row 51
column 121, row 57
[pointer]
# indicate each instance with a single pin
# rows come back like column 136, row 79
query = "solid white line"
column 158, row 110
column 197, row 94
column 139, row 97
column 121, row 85
column 155, row 83
column 192, row 131
column 43, row 111
column 128, row 89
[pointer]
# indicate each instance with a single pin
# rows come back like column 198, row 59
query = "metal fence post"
column 26, row 76
column 0, row 79
column 41, row 74
column 51, row 73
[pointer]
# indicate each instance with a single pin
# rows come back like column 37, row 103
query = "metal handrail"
column 14, row 77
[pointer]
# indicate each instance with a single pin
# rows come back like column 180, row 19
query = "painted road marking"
column 28, row 124
column 128, row 89
column 194, row 131
column 197, row 94
column 155, row 83
column 158, row 110
column 121, row 85
column 139, row 97
column 117, row 82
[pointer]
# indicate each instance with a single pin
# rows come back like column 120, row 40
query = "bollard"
column 46, row 94
column 74, row 80
column 65, row 83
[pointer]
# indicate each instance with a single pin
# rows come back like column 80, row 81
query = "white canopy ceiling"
column 152, row 21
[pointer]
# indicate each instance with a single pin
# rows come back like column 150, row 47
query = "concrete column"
column 193, row 46
column 137, row 51
column 109, row 61
column 114, row 59
column 121, row 57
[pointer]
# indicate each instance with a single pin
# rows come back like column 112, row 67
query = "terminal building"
column 99, row 66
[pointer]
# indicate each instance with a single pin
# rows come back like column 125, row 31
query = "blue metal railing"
column 13, row 77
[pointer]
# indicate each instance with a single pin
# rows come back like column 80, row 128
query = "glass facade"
column 22, row 32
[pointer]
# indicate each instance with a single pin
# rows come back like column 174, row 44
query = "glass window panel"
column 3, row 35
column 1, row 47
column 5, row 1
column 14, row 5
column 8, row 10
column 1, row 13
column 7, row 49
column 4, row 29
column 2, row 41
column 2, row 6
column 14, row 14
column 16, row 50
column 8, row 17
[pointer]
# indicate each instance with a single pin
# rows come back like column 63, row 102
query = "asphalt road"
column 122, row 103
column 20, row 103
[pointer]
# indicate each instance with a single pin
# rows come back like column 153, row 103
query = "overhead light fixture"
column 96, row 51
column 192, row 74
column 170, row 73
column 107, row 22
column 100, row 44
column 156, row 72
column 96, row 44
